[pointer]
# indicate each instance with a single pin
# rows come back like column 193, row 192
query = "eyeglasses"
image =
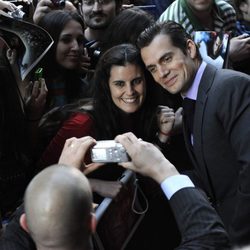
column 92, row 2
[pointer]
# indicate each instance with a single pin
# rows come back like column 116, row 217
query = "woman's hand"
column 177, row 128
column 7, row 5
column 165, row 119
column 36, row 99
column 85, row 62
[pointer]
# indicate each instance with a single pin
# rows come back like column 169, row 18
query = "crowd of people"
column 128, row 71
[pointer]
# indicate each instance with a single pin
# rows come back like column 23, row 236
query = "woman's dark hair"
column 126, row 27
column 108, row 117
column 54, row 23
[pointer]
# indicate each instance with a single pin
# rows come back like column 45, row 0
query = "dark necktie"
column 188, row 110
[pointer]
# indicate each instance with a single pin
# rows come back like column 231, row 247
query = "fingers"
column 38, row 91
column 11, row 54
column 42, row 90
column 85, row 61
column 179, row 111
column 166, row 118
column 43, row 7
column 126, row 139
column 70, row 6
column 35, row 89
column 11, row 7
column 74, row 151
column 129, row 142
column 82, row 144
column 165, row 114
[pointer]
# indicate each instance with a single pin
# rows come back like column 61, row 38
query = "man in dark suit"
column 199, row 224
column 219, row 141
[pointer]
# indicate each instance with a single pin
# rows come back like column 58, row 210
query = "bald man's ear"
column 191, row 49
column 23, row 223
column 93, row 223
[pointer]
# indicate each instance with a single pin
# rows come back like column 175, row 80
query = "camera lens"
column 62, row 3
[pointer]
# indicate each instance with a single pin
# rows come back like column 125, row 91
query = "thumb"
column 179, row 111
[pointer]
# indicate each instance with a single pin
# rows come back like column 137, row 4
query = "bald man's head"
column 58, row 205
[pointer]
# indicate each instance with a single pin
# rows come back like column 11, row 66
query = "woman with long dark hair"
column 64, row 64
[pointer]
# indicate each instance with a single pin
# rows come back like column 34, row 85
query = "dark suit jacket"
column 222, row 146
column 199, row 224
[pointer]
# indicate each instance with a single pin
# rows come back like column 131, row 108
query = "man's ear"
column 23, row 223
column 93, row 223
column 191, row 49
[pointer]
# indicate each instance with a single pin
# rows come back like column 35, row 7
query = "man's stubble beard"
column 98, row 27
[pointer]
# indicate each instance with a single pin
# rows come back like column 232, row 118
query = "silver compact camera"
column 109, row 151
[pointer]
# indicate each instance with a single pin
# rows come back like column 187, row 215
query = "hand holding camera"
column 17, row 13
column 147, row 159
column 109, row 151
column 45, row 6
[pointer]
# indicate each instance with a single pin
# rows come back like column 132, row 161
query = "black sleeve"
column 14, row 237
column 198, row 222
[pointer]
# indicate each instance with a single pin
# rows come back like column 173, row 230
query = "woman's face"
column 70, row 45
column 127, row 87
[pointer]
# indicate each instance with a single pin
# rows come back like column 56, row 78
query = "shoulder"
column 220, row 83
column 78, row 120
column 173, row 12
column 230, row 80
column 232, row 77
column 225, row 8
column 229, row 88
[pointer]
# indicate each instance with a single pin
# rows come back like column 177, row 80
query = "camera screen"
column 99, row 154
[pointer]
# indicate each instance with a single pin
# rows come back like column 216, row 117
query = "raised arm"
column 199, row 224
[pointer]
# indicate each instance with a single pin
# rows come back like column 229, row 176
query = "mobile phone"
column 109, row 151
column 38, row 74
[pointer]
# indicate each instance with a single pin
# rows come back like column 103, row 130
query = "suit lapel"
column 202, row 96
column 201, row 102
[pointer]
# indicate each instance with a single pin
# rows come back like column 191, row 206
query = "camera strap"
column 140, row 202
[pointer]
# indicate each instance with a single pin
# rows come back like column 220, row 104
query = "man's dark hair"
column 175, row 31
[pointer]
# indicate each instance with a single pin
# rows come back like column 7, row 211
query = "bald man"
column 58, row 209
